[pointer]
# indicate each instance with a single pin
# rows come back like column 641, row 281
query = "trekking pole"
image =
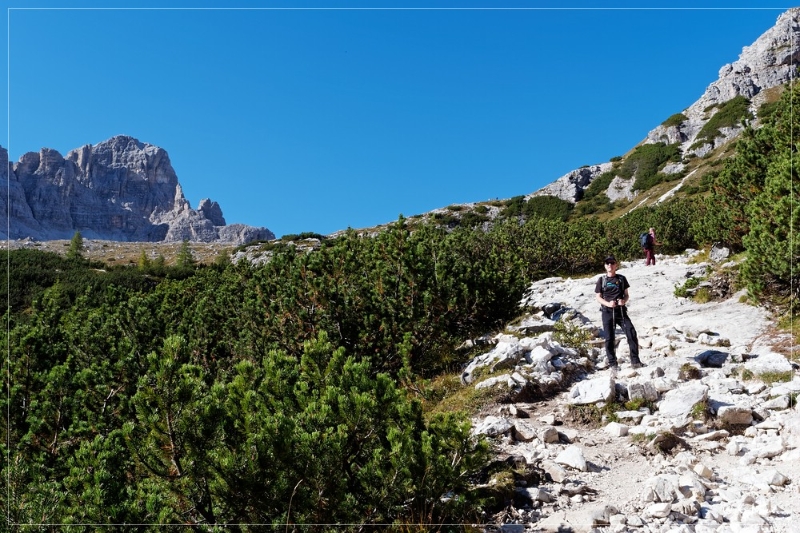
column 613, row 332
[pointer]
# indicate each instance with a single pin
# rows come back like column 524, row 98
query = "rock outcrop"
column 120, row 190
column 571, row 185
column 769, row 62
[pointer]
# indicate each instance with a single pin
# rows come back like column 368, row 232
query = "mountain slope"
column 714, row 119
column 692, row 142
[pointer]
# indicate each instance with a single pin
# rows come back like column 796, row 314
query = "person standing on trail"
column 611, row 291
column 650, row 248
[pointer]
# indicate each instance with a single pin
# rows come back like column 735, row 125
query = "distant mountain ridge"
column 120, row 190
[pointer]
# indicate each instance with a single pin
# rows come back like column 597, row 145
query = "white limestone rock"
column 556, row 472
column 570, row 186
column 703, row 471
column 615, row 429
column 592, row 391
column 768, row 363
column 493, row 426
column 678, row 403
column 778, row 404
column 735, row 415
column 505, row 354
column 658, row 510
column 621, row 189
column 635, row 417
column 524, row 430
column 572, row 456
column 645, row 390
column 661, row 488
column 492, row 381
column 548, row 435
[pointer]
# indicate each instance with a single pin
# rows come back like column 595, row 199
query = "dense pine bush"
column 646, row 160
column 730, row 113
column 546, row 206
column 675, row 120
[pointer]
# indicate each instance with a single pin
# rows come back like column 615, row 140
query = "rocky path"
column 736, row 468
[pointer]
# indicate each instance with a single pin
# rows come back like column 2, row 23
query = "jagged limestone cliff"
column 120, row 189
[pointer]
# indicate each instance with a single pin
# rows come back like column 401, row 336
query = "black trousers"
column 618, row 316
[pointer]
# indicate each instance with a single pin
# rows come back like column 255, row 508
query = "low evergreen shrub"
column 675, row 120
column 683, row 291
column 547, row 206
column 730, row 114
column 471, row 219
column 513, row 207
column 645, row 162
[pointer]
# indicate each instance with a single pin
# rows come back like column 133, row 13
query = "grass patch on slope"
column 446, row 394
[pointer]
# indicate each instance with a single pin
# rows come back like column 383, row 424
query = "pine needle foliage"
column 644, row 163
column 729, row 114
column 75, row 251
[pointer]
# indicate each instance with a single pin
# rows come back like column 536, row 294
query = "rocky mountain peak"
column 212, row 211
column 769, row 62
column 127, row 159
column 121, row 189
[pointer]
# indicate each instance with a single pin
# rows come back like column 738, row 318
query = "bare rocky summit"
column 118, row 190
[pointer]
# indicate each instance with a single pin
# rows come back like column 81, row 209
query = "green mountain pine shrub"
column 675, row 120
column 729, row 114
column 773, row 211
column 513, row 207
column 471, row 219
column 548, row 206
column 645, row 161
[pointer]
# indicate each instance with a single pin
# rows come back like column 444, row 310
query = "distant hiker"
column 648, row 242
column 612, row 293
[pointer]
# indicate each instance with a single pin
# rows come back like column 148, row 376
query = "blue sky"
column 322, row 119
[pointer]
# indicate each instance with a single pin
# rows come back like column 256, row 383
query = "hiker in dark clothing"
column 612, row 293
column 650, row 248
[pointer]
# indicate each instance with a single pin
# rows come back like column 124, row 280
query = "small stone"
column 615, row 429
column 573, row 457
column 658, row 510
column 703, row 471
column 549, row 420
column 548, row 435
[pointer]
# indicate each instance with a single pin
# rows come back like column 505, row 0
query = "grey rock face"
column 620, row 188
column 212, row 211
column 766, row 63
column 120, row 189
column 570, row 186
column 13, row 205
